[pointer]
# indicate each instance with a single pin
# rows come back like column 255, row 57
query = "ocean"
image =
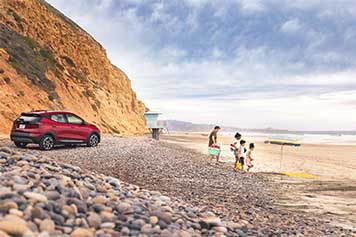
column 303, row 138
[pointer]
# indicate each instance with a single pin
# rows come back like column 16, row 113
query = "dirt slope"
column 48, row 62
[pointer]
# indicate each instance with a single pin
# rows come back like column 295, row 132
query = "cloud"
column 251, row 6
column 291, row 26
column 232, row 61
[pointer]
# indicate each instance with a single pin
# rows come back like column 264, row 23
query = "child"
column 235, row 150
column 234, row 147
column 242, row 153
column 249, row 158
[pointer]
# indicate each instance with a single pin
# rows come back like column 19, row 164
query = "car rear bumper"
column 24, row 137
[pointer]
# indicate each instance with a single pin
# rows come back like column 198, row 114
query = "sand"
column 326, row 161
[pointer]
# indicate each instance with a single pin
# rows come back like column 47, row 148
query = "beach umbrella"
column 283, row 141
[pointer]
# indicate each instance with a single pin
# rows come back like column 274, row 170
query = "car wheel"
column 93, row 140
column 47, row 143
column 21, row 144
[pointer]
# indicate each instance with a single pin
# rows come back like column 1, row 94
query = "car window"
column 58, row 118
column 29, row 118
column 74, row 119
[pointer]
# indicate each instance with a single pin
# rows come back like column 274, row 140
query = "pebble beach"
column 140, row 187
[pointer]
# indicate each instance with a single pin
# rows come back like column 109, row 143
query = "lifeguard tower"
column 152, row 124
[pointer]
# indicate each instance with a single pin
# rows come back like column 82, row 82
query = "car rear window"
column 29, row 118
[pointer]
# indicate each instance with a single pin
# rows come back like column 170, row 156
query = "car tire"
column 47, row 143
column 93, row 140
column 20, row 144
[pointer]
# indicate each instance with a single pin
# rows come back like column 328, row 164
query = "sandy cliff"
column 49, row 62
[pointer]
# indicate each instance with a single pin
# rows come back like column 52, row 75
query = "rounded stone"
column 156, row 229
column 165, row 216
column 221, row 229
column 107, row 225
column 37, row 212
column 52, row 195
column 106, row 216
column 125, row 231
column 47, row 225
column 81, row 205
column 146, row 229
column 153, row 220
column 125, row 208
column 13, row 227
column 16, row 212
column 72, row 209
column 166, row 233
column 35, row 196
column 5, row 206
column 81, row 232
column 20, row 180
column 184, row 233
column 94, row 220
column 139, row 223
column 99, row 199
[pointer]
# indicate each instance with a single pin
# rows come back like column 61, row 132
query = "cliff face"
column 48, row 62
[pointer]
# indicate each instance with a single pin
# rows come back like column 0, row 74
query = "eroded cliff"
column 49, row 62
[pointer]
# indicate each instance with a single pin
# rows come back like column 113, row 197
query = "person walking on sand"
column 249, row 158
column 213, row 140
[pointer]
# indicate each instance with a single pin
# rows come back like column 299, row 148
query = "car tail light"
column 33, row 125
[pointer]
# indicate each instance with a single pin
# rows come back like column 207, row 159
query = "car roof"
column 43, row 112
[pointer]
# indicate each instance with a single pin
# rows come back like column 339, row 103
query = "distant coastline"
column 183, row 126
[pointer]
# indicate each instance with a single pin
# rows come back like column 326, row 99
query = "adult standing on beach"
column 213, row 140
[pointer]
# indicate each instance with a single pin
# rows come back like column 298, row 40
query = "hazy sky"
column 247, row 63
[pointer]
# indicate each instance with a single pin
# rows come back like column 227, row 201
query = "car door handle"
column 72, row 127
column 54, row 126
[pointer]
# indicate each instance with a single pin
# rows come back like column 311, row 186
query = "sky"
column 244, row 63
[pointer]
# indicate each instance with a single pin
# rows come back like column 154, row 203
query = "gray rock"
column 52, row 195
column 164, row 216
column 125, row 208
column 94, row 220
column 125, row 231
column 5, row 150
column 241, row 233
column 37, row 213
column 20, row 180
column 4, row 155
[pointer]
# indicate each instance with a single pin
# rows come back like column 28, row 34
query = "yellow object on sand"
column 238, row 166
column 300, row 175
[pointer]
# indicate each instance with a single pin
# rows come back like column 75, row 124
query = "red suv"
column 49, row 128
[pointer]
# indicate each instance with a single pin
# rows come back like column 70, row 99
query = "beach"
column 260, row 203
column 327, row 161
column 324, row 180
